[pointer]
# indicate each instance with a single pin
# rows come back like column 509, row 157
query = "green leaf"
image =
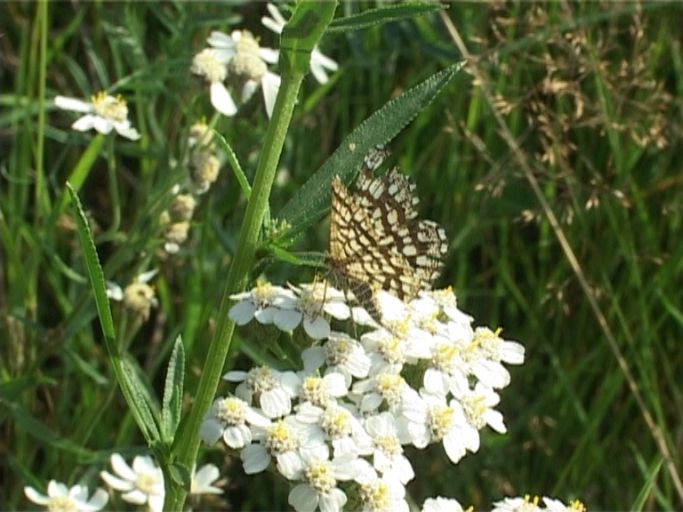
column 173, row 392
column 234, row 164
column 94, row 272
column 385, row 14
column 312, row 200
column 302, row 32
column 139, row 401
column 133, row 389
column 26, row 423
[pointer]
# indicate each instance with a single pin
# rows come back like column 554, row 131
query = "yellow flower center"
column 376, row 497
column 319, row 476
column 110, row 107
column 440, row 421
column 247, row 62
column 62, row 504
column 232, row 411
column 206, row 64
column 281, row 438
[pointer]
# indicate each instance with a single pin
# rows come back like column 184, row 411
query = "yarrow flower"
column 62, row 498
column 272, row 389
column 361, row 401
column 440, row 504
column 260, row 303
column 248, row 61
column 141, row 484
column 212, row 66
column 320, row 63
column 319, row 476
column 309, row 303
column 138, row 296
column 103, row 113
column 532, row 504
column 230, row 418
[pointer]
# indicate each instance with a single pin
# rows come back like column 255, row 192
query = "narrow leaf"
column 94, row 272
column 138, row 400
column 234, row 164
column 312, row 200
column 385, row 14
column 173, row 392
column 126, row 376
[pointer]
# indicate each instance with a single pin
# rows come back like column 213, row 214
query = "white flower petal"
column 221, row 99
column 85, row 123
column 242, row 312
column 211, row 430
column 135, row 496
column 98, row 500
column 255, row 458
column 270, row 83
column 333, row 501
column 35, row 496
column 268, row 55
column 287, row 319
column 317, row 328
column 219, row 39
column 303, row 498
column 73, row 104
column 125, row 130
column 121, row 467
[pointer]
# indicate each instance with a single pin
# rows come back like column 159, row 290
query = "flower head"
column 212, row 66
column 247, row 60
column 61, row 498
column 138, row 297
column 231, row 418
column 141, row 484
column 103, row 113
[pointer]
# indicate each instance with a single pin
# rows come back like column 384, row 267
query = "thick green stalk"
column 299, row 36
column 237, row 276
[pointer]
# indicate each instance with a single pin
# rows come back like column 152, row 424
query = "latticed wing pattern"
column 377, row 243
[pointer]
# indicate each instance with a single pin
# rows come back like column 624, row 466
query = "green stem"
column 237, row 279
column 41, row 196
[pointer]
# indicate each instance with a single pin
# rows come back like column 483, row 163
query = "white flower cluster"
column 529, row 504
column 424, row 376
column 141, row 484
column 239, row 56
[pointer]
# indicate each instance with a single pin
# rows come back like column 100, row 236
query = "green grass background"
column 591, row 93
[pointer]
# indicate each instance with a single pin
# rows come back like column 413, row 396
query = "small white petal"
column 211, row 430
column 136, row 496
column 125, row 130
column 221, row 99
column 242, row 312
column 303, row 498
column 271, row 24
column 121, row 467
column 35, row 496
column 248, row 90
column 255, row 458
column 85, row 123
column 317, row 328
column 269, row 55
column 219, row 39
column 98, row 500
column 332, row 501
column 287, row 319
column 73, row 104
column 270, row 83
